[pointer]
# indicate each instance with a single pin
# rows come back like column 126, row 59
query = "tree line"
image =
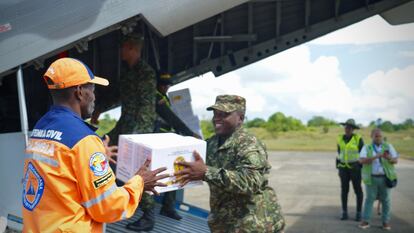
column 388, row 126
column 279, row 122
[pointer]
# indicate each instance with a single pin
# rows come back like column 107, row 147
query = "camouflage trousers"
column 266, row 217
column 147, row 202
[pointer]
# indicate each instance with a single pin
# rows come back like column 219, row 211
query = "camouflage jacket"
column 240, row 197
column 138, row 95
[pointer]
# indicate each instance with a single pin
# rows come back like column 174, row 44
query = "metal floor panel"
column 190, row 223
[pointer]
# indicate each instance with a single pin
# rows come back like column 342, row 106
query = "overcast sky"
column 364, row 71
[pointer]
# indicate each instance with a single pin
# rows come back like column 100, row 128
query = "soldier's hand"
column 192, row 171
column 110, row 151
column 151, row 178
column 161, row 102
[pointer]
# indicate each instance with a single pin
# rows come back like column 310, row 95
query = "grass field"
column 314, row 139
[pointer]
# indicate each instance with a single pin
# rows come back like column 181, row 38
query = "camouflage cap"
column 229, row 103
column 134, row 37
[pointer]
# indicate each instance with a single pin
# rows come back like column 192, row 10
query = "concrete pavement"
column 308, row 188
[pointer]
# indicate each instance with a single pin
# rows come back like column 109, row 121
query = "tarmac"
column 308, row 188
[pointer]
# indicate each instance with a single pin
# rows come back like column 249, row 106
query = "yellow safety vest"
column 165, row 98
column 348, row 152
column 386, row 165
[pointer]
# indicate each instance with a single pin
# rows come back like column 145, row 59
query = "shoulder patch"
column 98, row 164
column 103, row 180
column 33, row 187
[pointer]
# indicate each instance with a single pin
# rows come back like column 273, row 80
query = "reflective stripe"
column 349, row 152
column 126, row 193
column 123, row 215
column 165, row 130
column 165, row 98
column 43, row 159
column 101, row 197
column 352, row 157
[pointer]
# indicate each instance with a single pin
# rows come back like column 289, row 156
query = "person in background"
column 138, row 94
column 167, row 121
column 378, row 159
column 137, row 88
column 349, row 146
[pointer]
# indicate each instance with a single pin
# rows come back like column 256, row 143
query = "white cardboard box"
column 183, row 111
column 181, row 105
column 194, row 124
column 180, row 96
column 163, row 149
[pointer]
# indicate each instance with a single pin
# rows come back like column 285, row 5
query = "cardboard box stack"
column 162, row 149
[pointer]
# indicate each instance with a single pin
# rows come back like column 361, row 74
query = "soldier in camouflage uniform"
column 237, row 174
column 137, row 90
column 167, row 121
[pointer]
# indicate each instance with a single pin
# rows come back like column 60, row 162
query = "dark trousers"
column 352, row 174
column 168, row 203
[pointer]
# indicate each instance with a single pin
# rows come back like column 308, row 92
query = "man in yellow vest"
column 349, row 169
column 379, row 176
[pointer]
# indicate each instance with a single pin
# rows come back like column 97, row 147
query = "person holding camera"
column 379, row 176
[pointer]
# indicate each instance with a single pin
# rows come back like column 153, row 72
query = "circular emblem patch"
column 33, row 187
column 98, row 164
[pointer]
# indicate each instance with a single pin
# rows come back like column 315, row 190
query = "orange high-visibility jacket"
column 68, row 185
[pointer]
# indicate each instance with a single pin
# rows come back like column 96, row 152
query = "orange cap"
column 69, row 72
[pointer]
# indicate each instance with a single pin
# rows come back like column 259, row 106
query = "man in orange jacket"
column 68, row 185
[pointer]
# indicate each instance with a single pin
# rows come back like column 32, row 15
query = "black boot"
column 358, row 217
column 344, row 216
column 168, row 206
column 145, row 223
column 170, row 213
